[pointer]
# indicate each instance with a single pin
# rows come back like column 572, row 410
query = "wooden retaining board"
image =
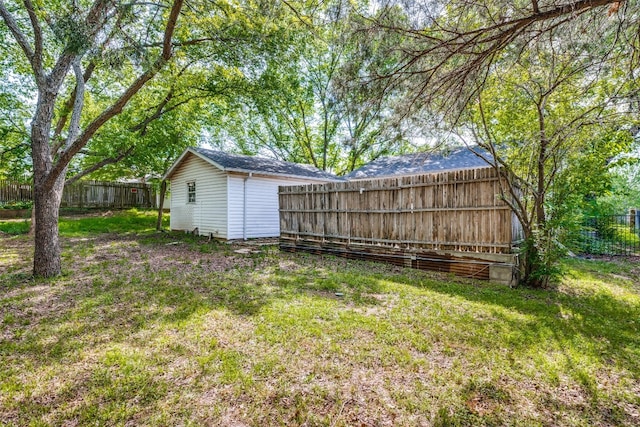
column 466, row 266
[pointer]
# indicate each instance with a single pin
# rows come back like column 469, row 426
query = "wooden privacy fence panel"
column 112, row 195
column 449, row 221
column 14, row 191
column 88, row 194
column 457, row 211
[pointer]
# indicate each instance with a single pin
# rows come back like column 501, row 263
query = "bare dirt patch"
column 127, row 254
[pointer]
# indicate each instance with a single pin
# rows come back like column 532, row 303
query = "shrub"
column 27, row 204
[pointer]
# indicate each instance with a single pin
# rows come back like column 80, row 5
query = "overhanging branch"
column 117, row 107
column 100, row 164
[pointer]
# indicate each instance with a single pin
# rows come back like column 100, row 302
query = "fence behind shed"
column 111, row 195
column 451, row 221
column 87, row 194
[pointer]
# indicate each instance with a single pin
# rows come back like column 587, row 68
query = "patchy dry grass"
column 166, row 329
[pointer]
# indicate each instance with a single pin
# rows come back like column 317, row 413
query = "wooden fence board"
column 14, row 191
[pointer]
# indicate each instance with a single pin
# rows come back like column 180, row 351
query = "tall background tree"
column 552, row 127
column 308, row 103
column 540, row 84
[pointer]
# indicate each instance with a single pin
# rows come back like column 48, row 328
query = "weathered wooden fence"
column 14, row 191
column 88, row 194
column 112, row 195
column 450, row 221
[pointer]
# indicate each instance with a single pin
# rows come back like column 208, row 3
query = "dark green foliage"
column 539, row 257
column 17, row 205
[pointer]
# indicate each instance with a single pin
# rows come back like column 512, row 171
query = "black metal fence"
column 610, row 235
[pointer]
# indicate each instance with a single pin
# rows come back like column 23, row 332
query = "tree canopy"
column 549, row 88
column 311, row 102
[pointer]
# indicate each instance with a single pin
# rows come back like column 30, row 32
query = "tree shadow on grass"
column 126, row 302
column 112, row 298
column 121, row 301
column 610, row 321
column 586, row 330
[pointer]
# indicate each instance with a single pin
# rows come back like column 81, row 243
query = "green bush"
column 27, row 204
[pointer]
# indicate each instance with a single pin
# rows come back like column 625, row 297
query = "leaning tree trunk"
column 163, row 192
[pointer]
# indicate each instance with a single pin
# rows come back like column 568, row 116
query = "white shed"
column 231, row 196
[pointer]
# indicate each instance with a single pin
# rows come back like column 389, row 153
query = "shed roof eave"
column 274, row 174
column 175, row 164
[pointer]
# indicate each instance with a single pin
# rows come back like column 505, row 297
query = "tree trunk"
column 32, row 224
column 163, row 191
column 529, row 260
column 46, row 198
column 46, row 258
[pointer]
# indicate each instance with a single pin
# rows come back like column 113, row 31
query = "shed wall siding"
column 263, row 216
column 235, row 206
column 209, row 212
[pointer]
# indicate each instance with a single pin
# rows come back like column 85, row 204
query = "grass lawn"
column 162, row 329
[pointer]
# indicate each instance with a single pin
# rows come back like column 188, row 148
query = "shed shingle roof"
column 419, row 163
column 263, row 165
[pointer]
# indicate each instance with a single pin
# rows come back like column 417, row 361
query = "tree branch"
column 68, row 107
column 117, row 107
column 99, row 165
column 534, row 4
column 22, row 41
column 160, row 108
column 93, row 22
column 37, row 35
column 78, row 103
column 479, row 47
